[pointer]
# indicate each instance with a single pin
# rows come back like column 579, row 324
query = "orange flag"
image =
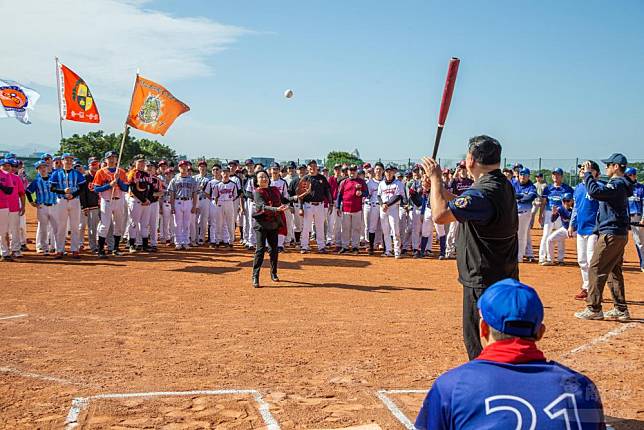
column 153, row 108
column 76, row 101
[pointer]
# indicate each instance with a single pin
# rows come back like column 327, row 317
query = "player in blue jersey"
column 552, row 196
column 582, row 223
column 44, row 203
column 525, row 192
column 635, row 210
column 563, row 214
column 511, row 385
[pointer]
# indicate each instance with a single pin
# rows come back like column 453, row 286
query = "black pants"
column 471, row 335
column 262, row 236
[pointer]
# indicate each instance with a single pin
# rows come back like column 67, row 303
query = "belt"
column 116, row 198
column 47, row 204
column 184, row 198
column 315, row 203
column 201, row 198
column 522, row 212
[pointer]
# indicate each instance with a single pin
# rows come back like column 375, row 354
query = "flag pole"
column 60, row 110
column 126, row 129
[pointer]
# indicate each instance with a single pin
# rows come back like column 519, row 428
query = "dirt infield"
column 317, row 347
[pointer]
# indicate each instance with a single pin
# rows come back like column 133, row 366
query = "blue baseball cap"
column 67, row 155
column 616, row 158
column 630, row 171
column 109, row 154
column 512, row 308
column 13, row 162
column 4, row 161
column 566, row 196
column 9, row 155
column 37, row 164
column 56, row 158
column 45, row 155
column 524, row 171
column 558, row 171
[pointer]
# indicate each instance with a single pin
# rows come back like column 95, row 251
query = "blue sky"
column 549, row 79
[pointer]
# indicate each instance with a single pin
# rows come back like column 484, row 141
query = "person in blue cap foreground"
column 635, row 210
column 511, row 385
column 612, row 226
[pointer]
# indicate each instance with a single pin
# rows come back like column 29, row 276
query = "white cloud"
column 105, row 41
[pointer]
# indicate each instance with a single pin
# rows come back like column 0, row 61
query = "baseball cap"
column 379, row 164
column 360, row 172
column 39, row 163
column 345, row 168
column 12, row 161
column 312, row 162
column 291, row 165
column 539, row 175
column 390, row 167
column 202, row 163
column 616, row 158
column 109, row 154
column 445, row 171
column 9, row 155
column 45, row 155
column 630, row 171
column 152, row 163
column 92, row 160
column 558, row 171
column 67, row 155
column 184, row 163
column 512, row 307
column 337, row 166
column 566, row 196
column 524, row 171
column 249, row 161
column 518, row 166
column 275, row 165
column 56, row 158
column 366, row 166
column 139, row 157
column 163, row 163
column 4, row 161
column 301, row 166
column 224, row 168
column 353, row 167
column 399, row 174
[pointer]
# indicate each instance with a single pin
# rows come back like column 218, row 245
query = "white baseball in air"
column 288, row 93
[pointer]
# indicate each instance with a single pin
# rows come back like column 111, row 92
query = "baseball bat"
column 452, row 70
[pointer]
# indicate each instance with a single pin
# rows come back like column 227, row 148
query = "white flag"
column 15, row 99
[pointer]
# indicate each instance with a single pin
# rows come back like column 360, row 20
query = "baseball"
column 288, row 93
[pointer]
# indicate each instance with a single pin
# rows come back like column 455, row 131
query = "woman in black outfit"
column 270, row 206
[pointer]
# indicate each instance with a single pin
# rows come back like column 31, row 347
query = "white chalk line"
column 13, row 317
column 4, row 369
column 383, row 395
column 600, row 339
column 80, row 403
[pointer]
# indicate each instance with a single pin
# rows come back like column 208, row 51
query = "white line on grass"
column 13, row 316
column 80, row 403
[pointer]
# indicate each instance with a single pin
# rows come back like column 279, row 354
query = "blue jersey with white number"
column 482, row 395
column 553, row 194
column 62, row 179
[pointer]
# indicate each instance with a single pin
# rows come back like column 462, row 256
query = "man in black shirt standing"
column 90, row 204
column 313, row 209
column 486, row 244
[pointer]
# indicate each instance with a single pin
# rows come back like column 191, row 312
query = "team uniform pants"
column 4, row 229
column 139, row 217
column 93, row 218
column 523, row 233
column 558, row 237
column 149, row 225
column 290, row 237
column 606, row 266
column 250, row 221
column 405, row 229
column 23, row 229
column 245, row 221
column 416, row 227
column 351, row 229
column 202, row 219
column 335, row 224
column 298, row 220
column 68, row 210
column 428, row 228
column 112, row 215
column 585, row 249
column 263, row 237
column 638, row 238
column 390, row 222
column 46, row 219
column 450, row 249
column 226, row 219
column 82, row 227
column 167, row 222
column 14, row 231
column 313, row 214
column 182, row 220
column 548, row 227
column 214, row 221
column 373, row 221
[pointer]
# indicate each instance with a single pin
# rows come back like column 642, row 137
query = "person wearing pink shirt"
column 351, row 193
column 16, row 206
column 6, row 188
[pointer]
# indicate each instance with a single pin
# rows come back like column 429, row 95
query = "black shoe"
column 370, row 252
column 230, row 245
column 343, row 251
column 280, row 249
column 416, row 254
column 356, row 251
column 212, row 245
column 322, row 251
column 274, row 277
column 102, row 255
column 256, row 283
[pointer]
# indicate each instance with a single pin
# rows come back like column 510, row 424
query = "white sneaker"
column 386, row 254
column 618, row 315
column 547, row 263
column 178, row 247
column 587, row 314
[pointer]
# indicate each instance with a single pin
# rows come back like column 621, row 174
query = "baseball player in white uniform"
column 391, row 193
column 227, row 192
column 372, row 208
column 202, row 218
column 278, row 182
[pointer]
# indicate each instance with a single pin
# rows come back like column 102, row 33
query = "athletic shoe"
column 23, row 247
column 416, row 254
column 6, row 258
column 588, row 314
column 441, row 257
column 102, row 255
column 58, row 256
column 230, row 245
column 304, row 251
column 117, row 253
column 642, row 269
column 583, row 294
column 547, row 263
column 343, row 251
column 618, row 315
column 322, row 251
column 280, row 249
column 17, row 254
column 45, row 253
column 76, row 255
column 132, row 249
column 370, row 252
column 561, row 263
column 529, row 259
column 356, row 251
column 178, row 247
column 397, row 256
column 386, row 254
column 404, row 252
column 153, row 249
